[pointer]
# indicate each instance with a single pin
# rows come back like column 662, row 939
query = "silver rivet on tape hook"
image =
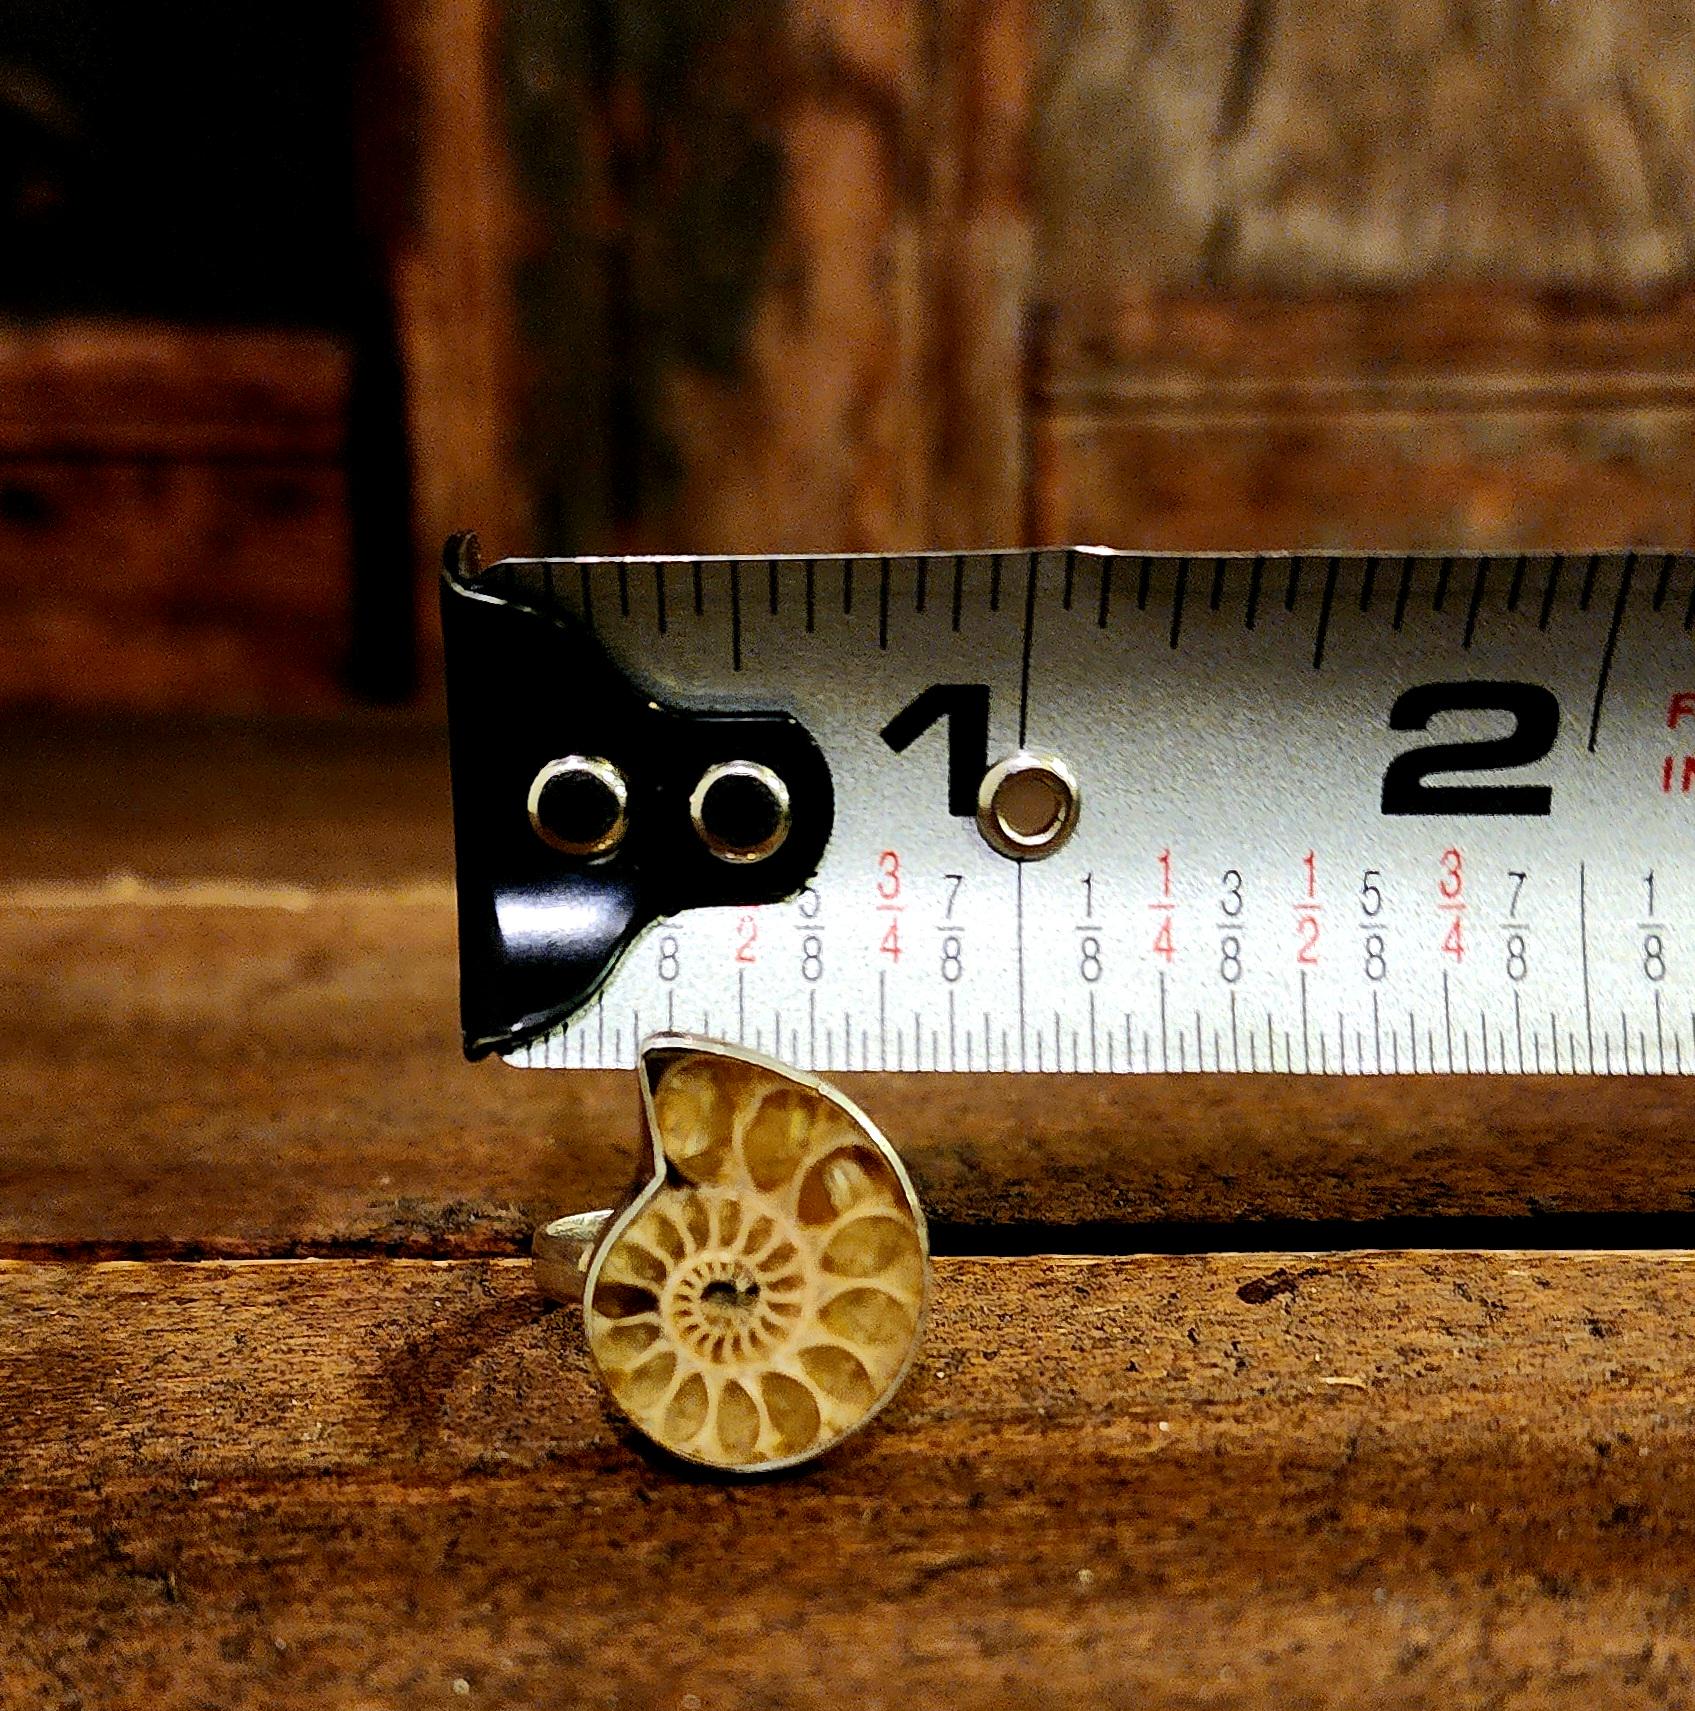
column 740, row 810
column 579, row 805
column 1027, row 805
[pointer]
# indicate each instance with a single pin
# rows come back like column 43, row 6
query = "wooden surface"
column 1367, row 277
column 1365, row 146
column 1262, row 1481
column 173, row 518
column 907, row 274
column 439, row 199
column 962, row 272
column 1438, row 419
column 263, row 918
column 922, row 273
column 286, row 1424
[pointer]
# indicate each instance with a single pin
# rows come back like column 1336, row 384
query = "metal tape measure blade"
column 1336, row 814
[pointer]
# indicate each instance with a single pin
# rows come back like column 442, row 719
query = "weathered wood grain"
column 810, row 426
column 173, row 518
column 978, row 225
column 1447, row 418
column 717, row 272
column 765, row 278
column 446, row 218
column 1367, row 146
column 1394, row 1479
column 83, row 389
column 1379, row 277
column 771, row 273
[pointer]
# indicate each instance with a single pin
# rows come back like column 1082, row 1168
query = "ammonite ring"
column 762, row 1293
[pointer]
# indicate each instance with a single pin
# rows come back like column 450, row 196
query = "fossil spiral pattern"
column 767, row 1298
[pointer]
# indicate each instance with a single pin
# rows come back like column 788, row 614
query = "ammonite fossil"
column 762, row 1295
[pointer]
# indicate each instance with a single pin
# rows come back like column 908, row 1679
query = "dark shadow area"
column 197, row 167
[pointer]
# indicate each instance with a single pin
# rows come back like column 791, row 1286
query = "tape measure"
column 1078, row 810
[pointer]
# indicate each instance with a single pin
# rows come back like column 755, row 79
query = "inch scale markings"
column 1346, row 735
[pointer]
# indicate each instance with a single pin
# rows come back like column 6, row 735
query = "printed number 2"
column 1536, row 723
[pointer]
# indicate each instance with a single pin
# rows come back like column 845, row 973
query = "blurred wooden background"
column 800, row 275
column 288, row 293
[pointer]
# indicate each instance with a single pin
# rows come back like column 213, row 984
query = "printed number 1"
column 1306, row 918
column 1164, row 944
column 965, row 707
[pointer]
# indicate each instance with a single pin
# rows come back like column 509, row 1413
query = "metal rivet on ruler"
column 580, row 806
column 1027, row 805
column 740, row 810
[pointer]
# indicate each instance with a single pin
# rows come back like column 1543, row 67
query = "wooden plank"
column 228, row 968
column 762, row 279
column 239, row 1068
column 980, row 263
column 173, row 518
column 1382, row 278
column 264, row 1069
column 772, row 274
column 267, row 1059
column 1281, row 150
column 1397, row 1478
column 1523, row 470
column 1433, row 419
column 441, row 201
column 665, row 287
column 150, row 391
column 788, row 395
